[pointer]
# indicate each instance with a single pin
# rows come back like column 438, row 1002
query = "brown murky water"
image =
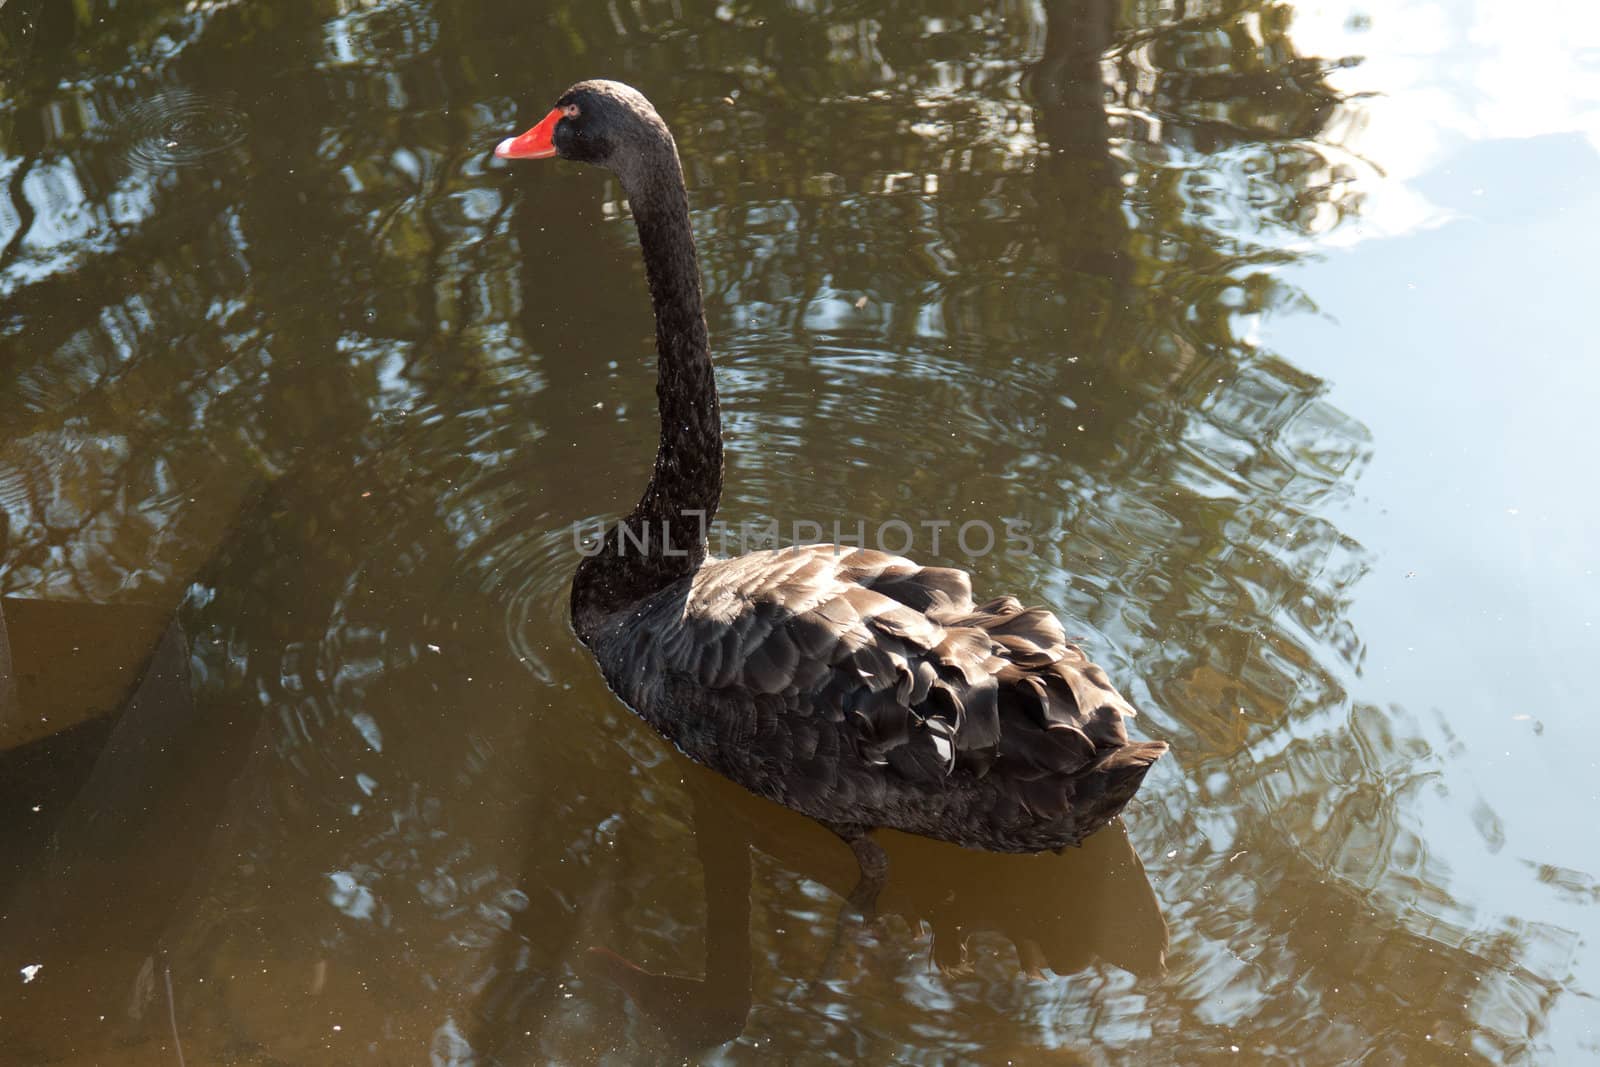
column 1270, row 321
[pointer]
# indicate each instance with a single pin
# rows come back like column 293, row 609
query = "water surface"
column 1270, row 321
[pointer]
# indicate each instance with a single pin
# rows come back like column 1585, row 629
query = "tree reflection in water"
column 316, row 387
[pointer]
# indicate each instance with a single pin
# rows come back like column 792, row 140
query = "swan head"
column 601, row 122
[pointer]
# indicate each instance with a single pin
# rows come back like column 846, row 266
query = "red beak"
column 535, row 144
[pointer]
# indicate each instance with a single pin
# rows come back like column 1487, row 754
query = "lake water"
column 1269, row 322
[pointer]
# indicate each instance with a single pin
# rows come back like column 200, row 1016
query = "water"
column 1270, row 321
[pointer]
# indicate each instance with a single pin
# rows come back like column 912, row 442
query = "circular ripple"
column 536, row 571
column 181, row 128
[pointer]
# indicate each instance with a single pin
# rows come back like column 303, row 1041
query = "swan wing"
column 927, row 682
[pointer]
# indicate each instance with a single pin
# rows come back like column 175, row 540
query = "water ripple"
column 180, row 127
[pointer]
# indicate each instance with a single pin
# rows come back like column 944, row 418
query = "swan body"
column 854, row 686
column 864, row 691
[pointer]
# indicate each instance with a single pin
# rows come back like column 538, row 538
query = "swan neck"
column 664, row 537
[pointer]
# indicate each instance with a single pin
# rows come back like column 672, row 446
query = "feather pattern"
column 864, row 689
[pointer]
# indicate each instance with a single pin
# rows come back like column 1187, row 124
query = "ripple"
column 534, row 570
column 181, row 128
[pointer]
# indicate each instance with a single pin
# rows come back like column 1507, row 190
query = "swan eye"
column 569, row 110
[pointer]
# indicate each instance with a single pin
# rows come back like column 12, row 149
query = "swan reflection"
column 1046, row 916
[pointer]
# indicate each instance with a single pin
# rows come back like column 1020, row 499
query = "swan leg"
column 872, row 863
column 874, row 866
column 862, row 902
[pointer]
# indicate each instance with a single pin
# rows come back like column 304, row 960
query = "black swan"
column 851, row 685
